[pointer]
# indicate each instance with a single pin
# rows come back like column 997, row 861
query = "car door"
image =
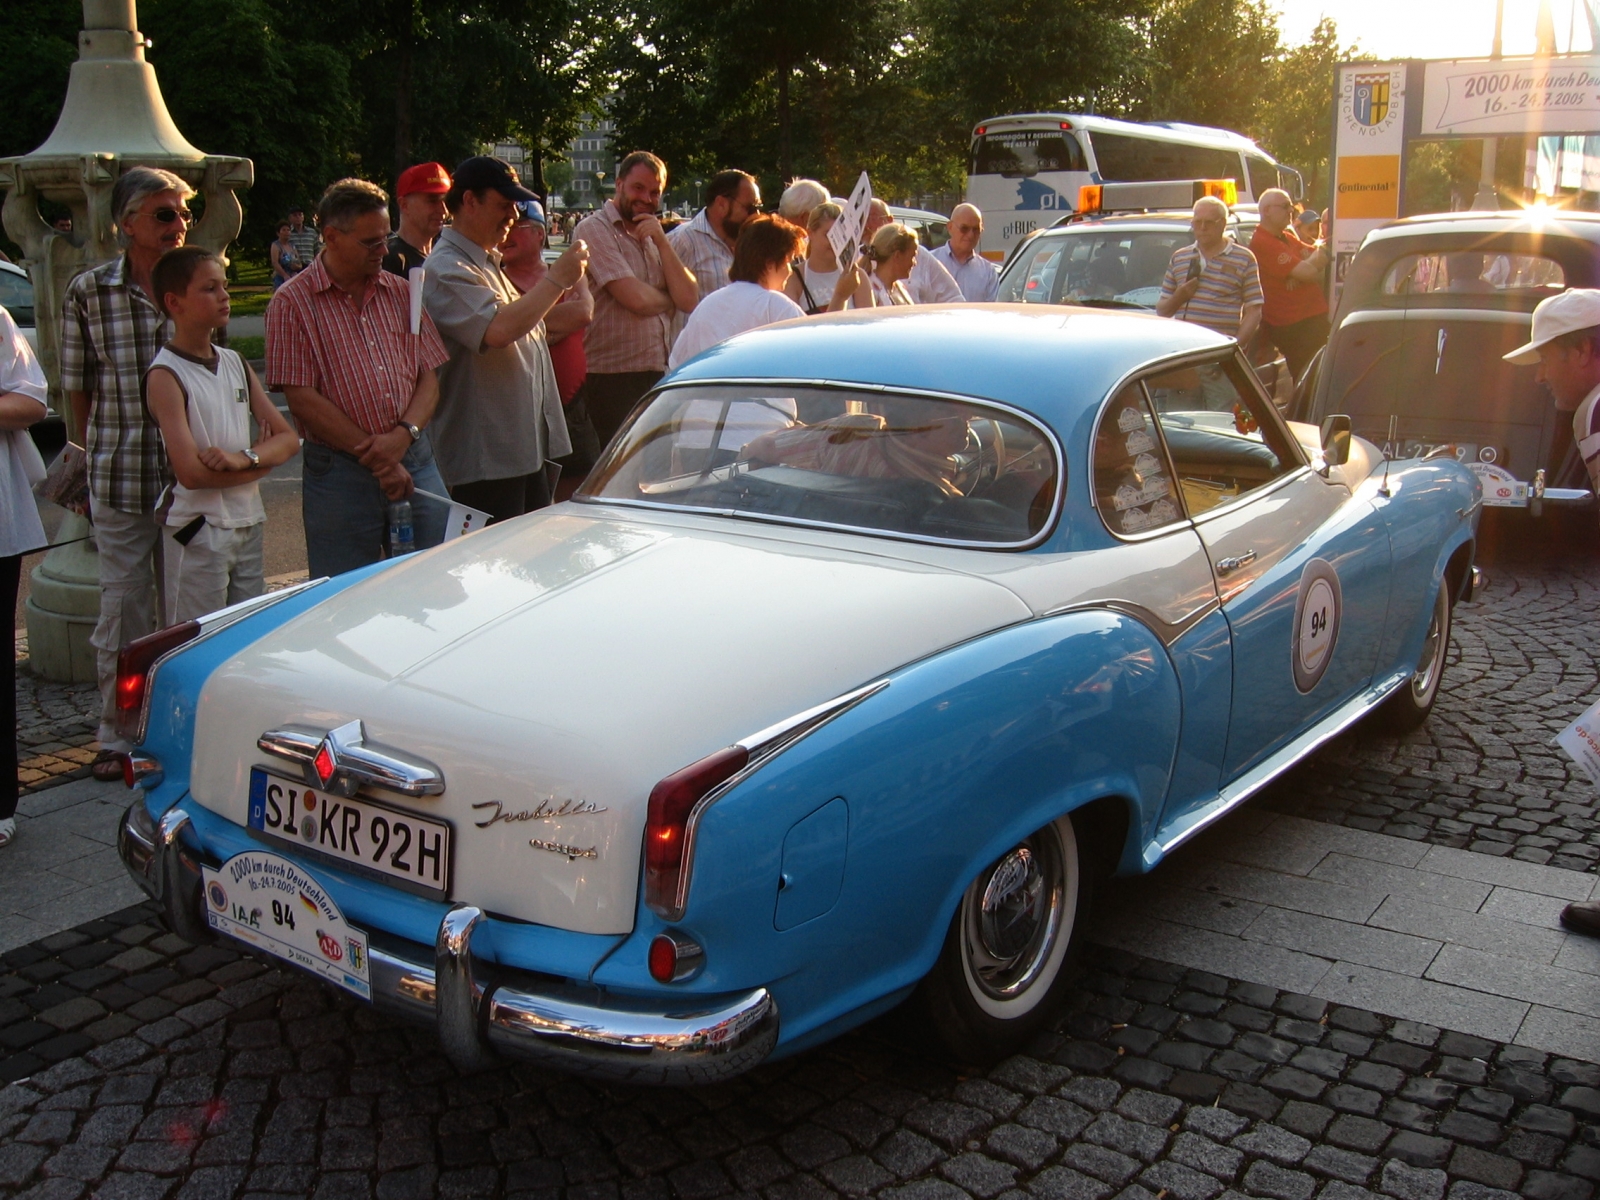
column 1302, row 567
column 1163, row 571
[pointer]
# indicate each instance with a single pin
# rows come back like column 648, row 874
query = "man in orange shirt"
column 1295, row 315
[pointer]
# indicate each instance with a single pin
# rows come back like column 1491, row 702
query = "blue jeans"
column 347, row 515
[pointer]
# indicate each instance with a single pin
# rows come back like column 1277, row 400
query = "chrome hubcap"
column 1013, row 916
column 1433, row 649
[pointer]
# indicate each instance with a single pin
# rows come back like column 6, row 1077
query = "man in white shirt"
column 929, row 282
column 1566, row 347
column 975, row 275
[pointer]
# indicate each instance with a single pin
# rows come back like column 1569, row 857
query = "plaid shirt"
column 617, row 341
column 366, row 361
column 109, row 333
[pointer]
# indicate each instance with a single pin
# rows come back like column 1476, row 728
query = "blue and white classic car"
column 872, row 642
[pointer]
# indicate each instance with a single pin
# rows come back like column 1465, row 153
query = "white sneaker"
column 8, row 832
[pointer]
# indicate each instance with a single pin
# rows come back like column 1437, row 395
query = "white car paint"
column 581, row 654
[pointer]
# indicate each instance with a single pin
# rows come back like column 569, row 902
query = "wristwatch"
column 255, row 459
column 414, row 430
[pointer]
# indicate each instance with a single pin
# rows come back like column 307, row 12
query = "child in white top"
column 202, row 396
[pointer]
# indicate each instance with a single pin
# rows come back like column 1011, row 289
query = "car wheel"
column 1410, row 705
column 1005, row 959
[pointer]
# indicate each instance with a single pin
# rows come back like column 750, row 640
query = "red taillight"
column 667, row 826
column 1066, row 124
column 134, row 661
column 663, row 959
column 978, row 132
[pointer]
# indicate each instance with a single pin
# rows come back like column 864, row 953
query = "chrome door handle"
column 1234, row 562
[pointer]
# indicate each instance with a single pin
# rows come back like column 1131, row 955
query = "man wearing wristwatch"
column 500, row 418
column 361, row 386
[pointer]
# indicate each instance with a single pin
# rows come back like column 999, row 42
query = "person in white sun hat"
column 1566, row 347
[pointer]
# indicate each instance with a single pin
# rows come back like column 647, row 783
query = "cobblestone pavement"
column 194, row 1073
column 56, row 727
column 1482, row 773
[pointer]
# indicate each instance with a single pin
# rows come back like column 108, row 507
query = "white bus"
column 1025, row 170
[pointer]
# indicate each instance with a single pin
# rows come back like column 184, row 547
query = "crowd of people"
column 510, row 370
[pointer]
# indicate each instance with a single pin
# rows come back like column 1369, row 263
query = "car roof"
column 12, row 268
column 1015, row 353
column 1142, row 220
column 1571, row 223
column 921, row 214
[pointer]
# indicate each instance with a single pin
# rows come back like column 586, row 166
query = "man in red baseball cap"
column 421, row 193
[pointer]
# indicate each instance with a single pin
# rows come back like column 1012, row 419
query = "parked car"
column 1117, row 261
column 932, row 229
column 872, row 642
column 1429, row 306
column 16, row 297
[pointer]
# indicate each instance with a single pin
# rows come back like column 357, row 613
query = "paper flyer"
column 1581, row 740
column 845, row 236
column 416, row 275
column 461, row 518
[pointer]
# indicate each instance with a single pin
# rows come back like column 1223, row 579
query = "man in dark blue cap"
column 499, row 418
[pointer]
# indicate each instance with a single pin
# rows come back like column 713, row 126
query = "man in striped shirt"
column 1214, row 281
column 110, row 330
column 361, row 386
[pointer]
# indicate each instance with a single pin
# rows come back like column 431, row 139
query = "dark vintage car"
column 1429, row 306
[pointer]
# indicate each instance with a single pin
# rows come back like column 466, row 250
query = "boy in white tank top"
column 202, row 396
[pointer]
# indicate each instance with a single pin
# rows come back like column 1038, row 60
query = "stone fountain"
column 113, row 118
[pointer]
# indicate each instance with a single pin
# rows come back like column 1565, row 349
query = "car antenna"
column 1388, row 444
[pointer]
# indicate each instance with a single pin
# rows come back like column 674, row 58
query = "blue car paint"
column 960, row 758
column 1203, row 657
column 1426, row 528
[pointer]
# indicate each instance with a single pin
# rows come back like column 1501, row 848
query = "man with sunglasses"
column 110, row 330
column 705, row 243
column 1213, row 281
column 975, row 275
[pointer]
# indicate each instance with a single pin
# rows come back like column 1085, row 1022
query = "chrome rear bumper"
column 583, row 1030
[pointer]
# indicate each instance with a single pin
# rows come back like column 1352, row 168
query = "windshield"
column 1024, row 152
column 910, row 466
column 1125, row 266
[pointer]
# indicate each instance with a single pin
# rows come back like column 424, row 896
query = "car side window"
column 1132, row 478
column 1034, row 282
column 1223, row 438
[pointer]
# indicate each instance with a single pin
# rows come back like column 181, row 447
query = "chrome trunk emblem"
column 342, row 761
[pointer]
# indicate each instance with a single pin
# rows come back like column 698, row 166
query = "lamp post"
column 113, row 118
column 599, row 189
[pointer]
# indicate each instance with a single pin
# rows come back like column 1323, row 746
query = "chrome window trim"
column 762, row 746
column 1046, row 530
column 1266, row 489
column 213, row 623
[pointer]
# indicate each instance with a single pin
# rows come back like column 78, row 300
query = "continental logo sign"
column 1368, row 187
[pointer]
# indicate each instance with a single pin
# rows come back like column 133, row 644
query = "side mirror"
column 1336, row 440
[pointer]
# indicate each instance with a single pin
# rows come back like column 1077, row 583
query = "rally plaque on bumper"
column 398, row 847
column 276, row 907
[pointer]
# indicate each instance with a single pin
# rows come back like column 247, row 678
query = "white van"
column 1025, row 170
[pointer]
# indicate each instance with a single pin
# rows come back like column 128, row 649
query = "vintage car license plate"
column 273, row 905
column 400, row 847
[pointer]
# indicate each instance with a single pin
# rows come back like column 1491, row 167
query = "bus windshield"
column 1023, row 153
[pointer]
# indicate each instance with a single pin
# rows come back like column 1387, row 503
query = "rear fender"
column 1430, row 513
column 962, row 756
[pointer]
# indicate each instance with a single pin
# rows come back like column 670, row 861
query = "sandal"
column 8, row 832
column 107, row 766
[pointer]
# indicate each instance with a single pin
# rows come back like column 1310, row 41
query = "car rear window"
column 911, row 466
column 1474, row 272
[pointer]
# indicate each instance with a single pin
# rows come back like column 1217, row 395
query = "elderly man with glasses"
column 1293, row 272
column 110, row 330
column 361, row 386
column 975, row 275
column 1213, row 281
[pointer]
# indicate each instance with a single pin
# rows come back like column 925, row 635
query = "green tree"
column 1205, row 62
column 41, row 41
column 1297, row 126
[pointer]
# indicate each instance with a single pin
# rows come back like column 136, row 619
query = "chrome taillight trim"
column 762, row 746
column 210, row 624
column 357, row 762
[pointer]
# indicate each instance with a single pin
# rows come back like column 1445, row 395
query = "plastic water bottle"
column 402, row 538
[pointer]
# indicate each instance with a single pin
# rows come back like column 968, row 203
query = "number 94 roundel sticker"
column 1316, row 623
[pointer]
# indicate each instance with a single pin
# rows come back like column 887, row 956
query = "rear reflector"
column 667, row 825
column 674, row 957
column 134, row 661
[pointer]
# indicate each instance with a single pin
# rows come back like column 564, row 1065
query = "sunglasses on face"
column 167, row 216
column 1205, row 224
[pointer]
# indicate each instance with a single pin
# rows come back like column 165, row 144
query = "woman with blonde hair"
column 818, row 283
column 893, row 253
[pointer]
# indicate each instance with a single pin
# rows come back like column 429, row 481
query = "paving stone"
column 1027, row 1148
column 1104, row 1164
column 1063, row 1183
column 1267, row 1179
column 1269, row 1141
column 1406, row 1182
column 1203, row 1154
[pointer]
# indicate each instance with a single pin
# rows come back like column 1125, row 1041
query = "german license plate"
column 273, row 905
column 399, row 847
